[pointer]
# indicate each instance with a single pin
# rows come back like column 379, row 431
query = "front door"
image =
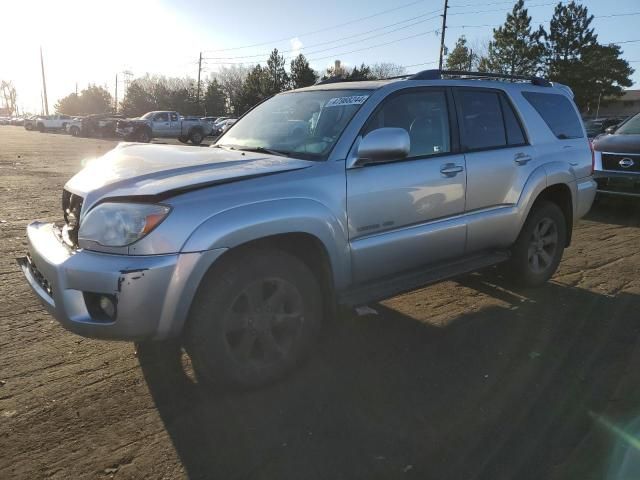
column 408, row 213
column 161, row 126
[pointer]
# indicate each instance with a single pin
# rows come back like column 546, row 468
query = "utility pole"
column 199, row 71
column 470, row 59
column 115, row 110
column 444, row 27
column 44, row 85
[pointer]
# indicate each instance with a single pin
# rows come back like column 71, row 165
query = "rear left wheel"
column 196, row 137
column 539, row 247
column 253, row 319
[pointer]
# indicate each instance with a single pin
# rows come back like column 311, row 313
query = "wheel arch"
column 302, row 227
column 561, row 195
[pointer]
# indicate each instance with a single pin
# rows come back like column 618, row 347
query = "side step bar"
column 391, row 286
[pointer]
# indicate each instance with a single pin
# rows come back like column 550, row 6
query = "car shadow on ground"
column 505, row 392
column 624, row 211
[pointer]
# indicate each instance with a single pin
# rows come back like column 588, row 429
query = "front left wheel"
column 254, row 319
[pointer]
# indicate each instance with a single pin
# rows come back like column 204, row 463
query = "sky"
column 89, row 41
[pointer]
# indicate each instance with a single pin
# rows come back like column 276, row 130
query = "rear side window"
column 481, row 119
column 557, row 112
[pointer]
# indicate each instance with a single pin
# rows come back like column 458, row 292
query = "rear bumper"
column 586, row 193
column 152, row 293
column 618, row 183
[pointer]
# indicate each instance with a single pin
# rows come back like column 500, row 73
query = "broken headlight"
column 115, row 224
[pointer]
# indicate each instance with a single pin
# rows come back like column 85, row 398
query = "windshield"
column 147, row 115
column 300, row 124
column 631, row 127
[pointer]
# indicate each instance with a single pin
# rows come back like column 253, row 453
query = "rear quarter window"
column 558, row 113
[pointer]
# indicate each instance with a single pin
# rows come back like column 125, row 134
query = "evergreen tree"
column 363, row 73
column 574, row 57
column 257, row 86
column 302, row 75
column 214, row 99
column 276, row 75
column 461, row 58
column 515, row 48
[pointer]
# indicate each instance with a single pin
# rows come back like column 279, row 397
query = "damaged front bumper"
column 150, row 295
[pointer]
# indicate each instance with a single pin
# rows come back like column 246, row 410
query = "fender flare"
column 240, row 225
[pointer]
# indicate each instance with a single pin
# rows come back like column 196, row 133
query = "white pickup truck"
column 52, row 122
column 164, row 124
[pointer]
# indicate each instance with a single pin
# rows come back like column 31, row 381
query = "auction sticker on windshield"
column 352, row 100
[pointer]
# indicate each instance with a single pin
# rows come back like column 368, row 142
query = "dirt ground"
column 465, row 379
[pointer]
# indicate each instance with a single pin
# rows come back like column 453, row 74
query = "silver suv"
column 338, row 194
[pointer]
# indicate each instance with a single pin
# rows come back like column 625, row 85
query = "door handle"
column 451, row 169
column 521, row 158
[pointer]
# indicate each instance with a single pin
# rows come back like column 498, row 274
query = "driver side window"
column 162, row 117
column 423, row 114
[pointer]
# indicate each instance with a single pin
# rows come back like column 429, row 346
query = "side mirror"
column 384, row 145
column 610, row 129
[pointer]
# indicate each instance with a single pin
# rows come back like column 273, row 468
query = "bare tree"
column 9, row 94
column 387, row 70
column 231, row 80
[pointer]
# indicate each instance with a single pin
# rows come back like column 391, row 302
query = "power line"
column 321, row 29
column 333, row 55
column 262, row 55
column 313, row 52
column 501, row 9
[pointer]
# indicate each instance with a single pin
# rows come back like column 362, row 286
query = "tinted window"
column 174, row 117
column 162, row 117
column 481, row 118
column 515, row 135
column 557, row 112
column 423, row 114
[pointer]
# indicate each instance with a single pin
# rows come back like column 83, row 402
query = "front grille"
column 71, row 208
column 611, row 161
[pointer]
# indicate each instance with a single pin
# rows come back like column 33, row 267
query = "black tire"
column 182, row 139
column 539, row 247
column 196, row 136
column 74, row 131
column 144, row 135
column 41, row 127
column 253, row 319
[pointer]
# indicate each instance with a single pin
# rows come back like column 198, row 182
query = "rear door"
column 499, row 161
column 409, row 213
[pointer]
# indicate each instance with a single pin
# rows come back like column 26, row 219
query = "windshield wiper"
column 270, row 151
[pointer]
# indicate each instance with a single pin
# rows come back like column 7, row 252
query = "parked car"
column 95, row 125
column 52, row 122
column 361, row 191
column 5, row 120
column 617, row 159
column 30, row 122
column 74, row 127
column 164, row 124
column 222, row 126
column 598, row 126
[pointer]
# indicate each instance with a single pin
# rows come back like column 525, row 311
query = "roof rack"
column 438, row 75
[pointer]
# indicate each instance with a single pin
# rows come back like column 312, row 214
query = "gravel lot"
column 465, row 379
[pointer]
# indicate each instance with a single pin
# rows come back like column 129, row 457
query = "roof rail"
column 438, row 74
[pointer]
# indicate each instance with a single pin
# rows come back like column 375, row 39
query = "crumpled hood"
column 150, row 170
column 617, row 143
